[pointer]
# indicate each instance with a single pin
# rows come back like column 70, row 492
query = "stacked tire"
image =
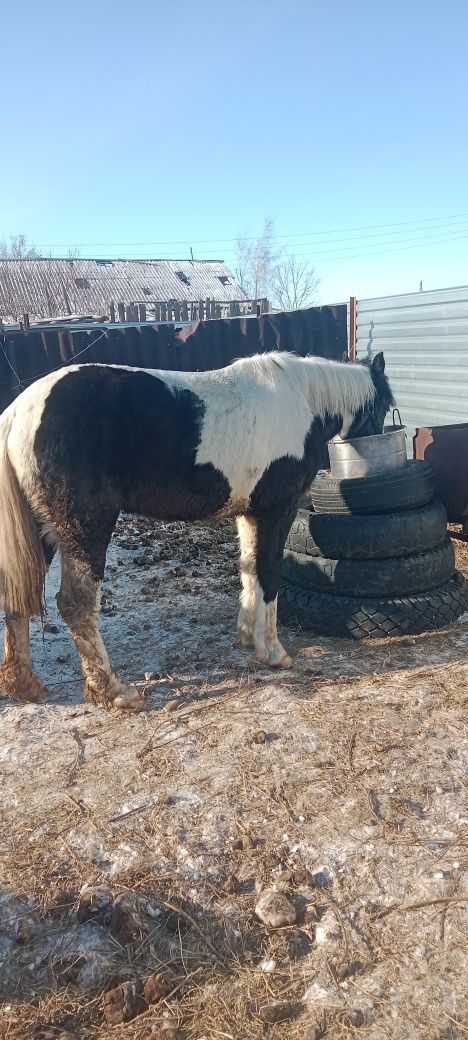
column 371, row 557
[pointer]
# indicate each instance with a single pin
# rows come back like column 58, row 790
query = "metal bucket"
column 365, row 456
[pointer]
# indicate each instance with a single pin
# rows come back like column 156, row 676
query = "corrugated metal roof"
column 48, row 287
column 424, row 337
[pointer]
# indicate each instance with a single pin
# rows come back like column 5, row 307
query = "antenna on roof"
column 191, row 253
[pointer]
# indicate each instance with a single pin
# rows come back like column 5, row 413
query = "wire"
column 10, row 366
column 343, row 252
column 254, row 238
column 64, row 364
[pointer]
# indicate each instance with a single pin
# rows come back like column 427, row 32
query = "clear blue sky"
column 142, row 128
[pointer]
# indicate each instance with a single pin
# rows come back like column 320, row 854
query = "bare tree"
column 294, row 283
column 256, row 259
column 16, row 296
column 17, row 248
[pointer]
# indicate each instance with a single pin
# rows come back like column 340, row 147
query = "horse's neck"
column 332, row 390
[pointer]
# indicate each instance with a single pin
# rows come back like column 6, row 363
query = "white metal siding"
column 424, row 337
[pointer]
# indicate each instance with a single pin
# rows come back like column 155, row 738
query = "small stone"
column 152, row 676
column 301, row 876
column 156, row 988
column 322, row 878
column 127, row 920
column 275, row 910
column 63, row 660
column 259, row 737
column 268, row 966
column 124, row 1003
column 169, row 1029
column 24, row 930
column 172, row 705
column 231, row 885
column 95, row 903
column 299, row 944
column 279, row 1011
column 53, row 630
column 175, row 922
column 358, row 1018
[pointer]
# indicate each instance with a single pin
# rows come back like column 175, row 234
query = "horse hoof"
column 287, row 662
column 22, row 687
column 130, row 701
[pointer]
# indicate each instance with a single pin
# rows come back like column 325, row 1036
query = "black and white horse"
column 87, row 441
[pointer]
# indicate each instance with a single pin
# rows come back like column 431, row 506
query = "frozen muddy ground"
column 341, row 784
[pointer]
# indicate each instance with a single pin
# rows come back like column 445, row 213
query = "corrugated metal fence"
column 25, row 356
column 424, row 337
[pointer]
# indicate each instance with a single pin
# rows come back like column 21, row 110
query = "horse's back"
column 123, row 435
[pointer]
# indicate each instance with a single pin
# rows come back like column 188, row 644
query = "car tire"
column 368, row 578
column 406, row 488
column 351, row 617
column 369, row 537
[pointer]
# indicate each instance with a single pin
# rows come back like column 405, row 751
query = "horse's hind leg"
column 78, row 602
column 17, row 678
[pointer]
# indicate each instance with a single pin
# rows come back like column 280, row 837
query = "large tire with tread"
column 347, row 616
column 406, row 488
column 369, row 578
column 368, row 537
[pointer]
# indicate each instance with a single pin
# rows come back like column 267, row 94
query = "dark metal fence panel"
column 27, row 355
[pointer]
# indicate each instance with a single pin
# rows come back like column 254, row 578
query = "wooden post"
column 157, row 312
column 184, row 310
column 142, row 312
column 163, row 312
column 112, row 312
column 201, row 310
column 121, row 311
column 352, row 329
column 176, row 310
column 208, row 308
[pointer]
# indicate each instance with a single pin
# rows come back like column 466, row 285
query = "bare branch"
column 17, row 249
column 294, row 283
column 256, row 259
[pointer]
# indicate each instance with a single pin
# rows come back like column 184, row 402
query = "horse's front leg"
column 269, row 534
column 247, row 532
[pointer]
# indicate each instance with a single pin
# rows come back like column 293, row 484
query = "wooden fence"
column 27, row 354
column 185, row 310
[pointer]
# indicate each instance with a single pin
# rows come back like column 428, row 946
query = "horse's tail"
column 22, row 562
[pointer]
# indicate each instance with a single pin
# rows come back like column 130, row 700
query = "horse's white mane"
column 331, row 387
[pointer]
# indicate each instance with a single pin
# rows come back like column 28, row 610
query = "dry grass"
column 355, row 805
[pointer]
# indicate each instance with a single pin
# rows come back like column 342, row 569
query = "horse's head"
column 371, row 418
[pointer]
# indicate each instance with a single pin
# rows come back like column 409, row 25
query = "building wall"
column 424, row 337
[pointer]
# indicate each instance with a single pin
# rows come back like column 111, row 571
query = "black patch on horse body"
column 274, row 500
column 112, row 440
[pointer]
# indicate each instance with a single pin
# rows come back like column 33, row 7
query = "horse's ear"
column 378, row 364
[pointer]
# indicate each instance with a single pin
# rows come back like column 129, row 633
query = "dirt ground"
column 139, row 845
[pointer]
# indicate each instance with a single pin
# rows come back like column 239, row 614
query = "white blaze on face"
column 347, row 423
